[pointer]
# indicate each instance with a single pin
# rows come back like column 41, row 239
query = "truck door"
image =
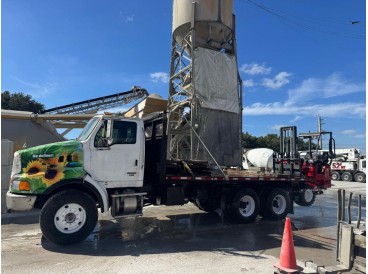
column 362, row 166
column 120, row 163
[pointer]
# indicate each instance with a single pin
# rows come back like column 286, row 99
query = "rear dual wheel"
column 243, row 207
column 335, row 176
column 347, row 177
column 204, row 204
column 276, row 204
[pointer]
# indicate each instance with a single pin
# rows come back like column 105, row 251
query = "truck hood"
column 42, row 166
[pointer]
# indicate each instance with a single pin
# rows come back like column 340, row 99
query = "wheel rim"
column 247, row 206
column 359, row 178
column 346, row 177
column 70, row 218
column 334, row 177
column 308, row 195
column 279, row 204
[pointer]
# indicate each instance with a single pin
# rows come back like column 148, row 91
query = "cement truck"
column 261, row 158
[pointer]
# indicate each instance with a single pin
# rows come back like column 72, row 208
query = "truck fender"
column 101, row 190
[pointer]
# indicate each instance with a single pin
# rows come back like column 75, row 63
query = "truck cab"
column 114, row 151
column 103, row 168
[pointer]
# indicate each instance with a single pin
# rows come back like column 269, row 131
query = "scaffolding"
column 197, row 130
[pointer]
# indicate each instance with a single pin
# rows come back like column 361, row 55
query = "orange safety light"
column 23, row 185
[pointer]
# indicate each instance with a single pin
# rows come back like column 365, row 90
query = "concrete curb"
column 20, row 217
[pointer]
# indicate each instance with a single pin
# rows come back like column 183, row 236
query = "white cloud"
column 326, row 110
column 296, row 118
column 360, row 136
column 249, row 83
column 35, row 89
column 348, row 132
column 316, row 88
column 297, row 103
column 160, row 77
column 129, row 19
column 255, row 69
column 353, row 133
column 280, row 80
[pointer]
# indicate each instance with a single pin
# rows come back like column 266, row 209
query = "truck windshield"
column 88, row 128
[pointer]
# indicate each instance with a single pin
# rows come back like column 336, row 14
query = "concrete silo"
column 205, row 96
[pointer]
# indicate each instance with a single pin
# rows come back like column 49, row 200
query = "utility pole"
column 319, row 131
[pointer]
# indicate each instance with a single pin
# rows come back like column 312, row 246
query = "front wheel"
column 68, row 217
column 360, row 177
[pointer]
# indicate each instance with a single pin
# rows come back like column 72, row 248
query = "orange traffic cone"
column 287, row 255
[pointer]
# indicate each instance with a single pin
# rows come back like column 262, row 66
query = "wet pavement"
column 177, row 239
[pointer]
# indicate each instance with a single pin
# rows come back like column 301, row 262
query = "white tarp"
column 219, row 113
column 216, row 80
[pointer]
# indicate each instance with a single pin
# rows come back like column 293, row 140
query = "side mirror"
column 108, row 133
column 109, row 141
column 108, row 129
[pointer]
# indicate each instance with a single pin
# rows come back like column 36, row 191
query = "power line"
column 323, row 26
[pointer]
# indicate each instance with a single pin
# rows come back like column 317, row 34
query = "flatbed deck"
column 240, row 175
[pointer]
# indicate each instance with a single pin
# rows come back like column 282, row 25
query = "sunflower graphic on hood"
column 46, row 165
column 34, row 168
column 49, row 170
column 55, row 170
column 53, row 175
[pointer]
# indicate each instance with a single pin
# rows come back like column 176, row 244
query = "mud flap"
column 292, row 204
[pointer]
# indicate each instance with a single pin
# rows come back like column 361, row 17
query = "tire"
column 335, row 176
column 347, row 177
column 244, row 207
column 278, row 204
column 306, row 197
column 68, row 217
column 204, row 205
column 359, row 177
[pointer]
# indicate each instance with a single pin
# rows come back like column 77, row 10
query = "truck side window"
column 124, row 132
column 100, row 138
column 159, row 130
column 148, row 131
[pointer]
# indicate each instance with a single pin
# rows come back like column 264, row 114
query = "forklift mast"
column 289, row 143
column 288, row 161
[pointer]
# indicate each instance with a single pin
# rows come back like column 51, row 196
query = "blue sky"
column 297, row 58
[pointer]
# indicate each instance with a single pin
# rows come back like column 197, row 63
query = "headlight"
column 17, row 166
column 20, row 185
column 15, row 185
